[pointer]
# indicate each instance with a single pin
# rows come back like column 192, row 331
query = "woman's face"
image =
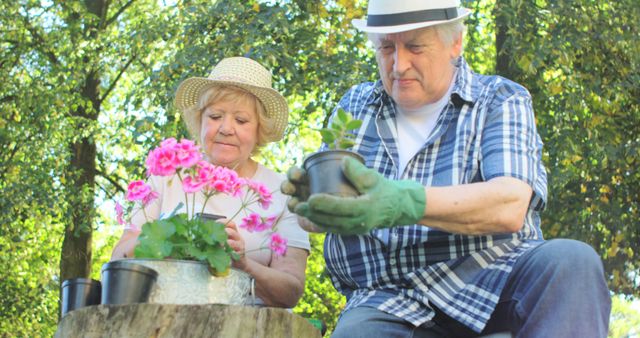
column 230, row 132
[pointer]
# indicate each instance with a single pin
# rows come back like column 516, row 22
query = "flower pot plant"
column 79, row 292
column 194, row 239
column 324, row 168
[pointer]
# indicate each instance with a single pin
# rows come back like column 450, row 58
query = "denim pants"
column 557, row 289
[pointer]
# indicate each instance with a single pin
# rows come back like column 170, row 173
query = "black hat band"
column 396, row 19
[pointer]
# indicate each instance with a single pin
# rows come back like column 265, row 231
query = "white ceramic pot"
column 189, row 282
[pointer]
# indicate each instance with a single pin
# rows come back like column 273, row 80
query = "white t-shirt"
column 171, row 194
column 415, row 126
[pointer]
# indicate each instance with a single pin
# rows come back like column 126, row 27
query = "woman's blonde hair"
column 233, row 94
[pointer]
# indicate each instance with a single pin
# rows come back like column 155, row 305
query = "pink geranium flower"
column 168, row 143
column 187, row 153
column 184, row 160
column 137, row 191
column 162, row 162
column 256, row 223
column 191, row 184
column 278, row 244
column 119, row 213
column 150, row 197
column 219, row 179
column 264, row 195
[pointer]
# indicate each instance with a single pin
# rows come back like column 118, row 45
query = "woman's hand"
column 126, row 244
column 236, row 242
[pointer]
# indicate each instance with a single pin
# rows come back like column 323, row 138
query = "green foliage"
column 581, row 62
column 320, row 300
column 178, row 237
column 625, row 318
column 80, row 83
column 61, row 66
column 338, row 134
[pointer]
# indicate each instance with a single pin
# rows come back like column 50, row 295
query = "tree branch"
column 106, row 192
column 40, row 42
column 115, row 81
column 5, row 163
column 113, row 182
column 117, row 14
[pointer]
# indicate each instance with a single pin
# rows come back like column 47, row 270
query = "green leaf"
column 343, row 116
column 213, row 233
column 218, row 258
column 153, row 240
column 182, row 224
column 328, row 135
column 346, row 144
column 196, row 253
column 353, row 124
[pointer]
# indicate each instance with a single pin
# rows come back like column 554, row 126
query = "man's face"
column 415, row 66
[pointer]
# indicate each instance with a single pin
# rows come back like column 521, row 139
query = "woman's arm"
column 126, row 244
column 280, row 284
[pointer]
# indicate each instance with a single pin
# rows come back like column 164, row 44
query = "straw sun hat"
column 239, row 72
column 387, row 17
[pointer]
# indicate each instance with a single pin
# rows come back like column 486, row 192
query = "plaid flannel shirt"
column 486, row 130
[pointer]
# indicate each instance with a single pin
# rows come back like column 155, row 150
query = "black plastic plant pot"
column 126, row 283
column 78, row 293
column 324, row 170
column 209, row 217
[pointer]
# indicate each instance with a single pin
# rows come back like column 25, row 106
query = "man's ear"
column 456, row 47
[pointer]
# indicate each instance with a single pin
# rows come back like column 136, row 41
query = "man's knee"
column 569, row 255
column 369, row 322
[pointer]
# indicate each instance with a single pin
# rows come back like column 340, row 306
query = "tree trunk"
column 503, row 53
column 168, row 320
column 75, row 259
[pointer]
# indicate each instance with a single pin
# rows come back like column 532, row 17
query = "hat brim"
column 276, row 108
column 361, row 24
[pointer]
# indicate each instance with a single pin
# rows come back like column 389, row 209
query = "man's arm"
column 496, row 206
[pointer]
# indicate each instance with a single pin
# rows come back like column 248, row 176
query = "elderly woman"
column 233, row 113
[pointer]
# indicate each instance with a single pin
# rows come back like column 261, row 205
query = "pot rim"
column 183, row 261
column 123, row 264
column 89, row 281
column 331, row 152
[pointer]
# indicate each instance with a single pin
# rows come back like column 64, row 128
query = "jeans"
column 557, row 289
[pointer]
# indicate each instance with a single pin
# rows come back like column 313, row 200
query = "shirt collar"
column 463, row 86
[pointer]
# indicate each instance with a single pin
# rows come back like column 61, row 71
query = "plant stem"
column 186, row 197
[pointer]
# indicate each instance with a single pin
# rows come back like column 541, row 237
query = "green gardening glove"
column 297, row 186
column 383, row 203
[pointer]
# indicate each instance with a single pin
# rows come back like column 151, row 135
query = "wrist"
column 413, row 203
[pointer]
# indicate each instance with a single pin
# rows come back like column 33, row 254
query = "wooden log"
column 169, row 320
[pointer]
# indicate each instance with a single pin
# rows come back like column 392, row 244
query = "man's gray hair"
column 448, row 32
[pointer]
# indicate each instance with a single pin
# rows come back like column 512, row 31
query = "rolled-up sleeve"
column 511, row 145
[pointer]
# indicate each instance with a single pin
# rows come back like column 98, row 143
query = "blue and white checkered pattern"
column 486, row 130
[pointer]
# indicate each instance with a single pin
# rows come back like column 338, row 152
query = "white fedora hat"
column 239, row 72
column 394, row 16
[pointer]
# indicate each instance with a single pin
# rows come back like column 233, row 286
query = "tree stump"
column 169, row 320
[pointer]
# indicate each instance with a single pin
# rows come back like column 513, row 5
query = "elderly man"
column 445, row 238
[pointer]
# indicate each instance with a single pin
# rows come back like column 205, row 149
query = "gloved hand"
column 296, row 186
column 383, row 203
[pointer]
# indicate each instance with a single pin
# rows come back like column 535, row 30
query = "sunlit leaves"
column 580, row 61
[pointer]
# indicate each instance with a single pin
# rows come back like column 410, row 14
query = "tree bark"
column 76, row 251
column 503, row 55
column 168, row 320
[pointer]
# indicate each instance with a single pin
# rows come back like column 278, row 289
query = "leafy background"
column 87, row 89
